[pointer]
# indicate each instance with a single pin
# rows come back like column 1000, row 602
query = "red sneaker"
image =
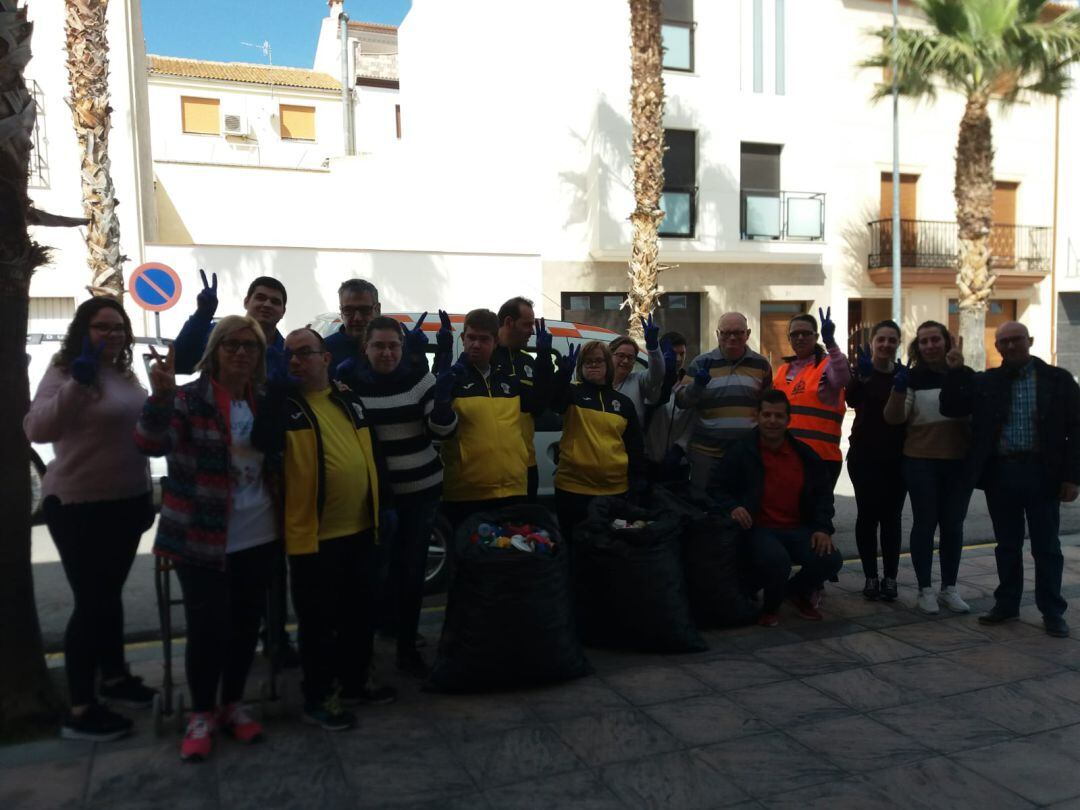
column 805, row 608
column 198, row 738
column 768, row 620
column 238, row 722
column 816, row 596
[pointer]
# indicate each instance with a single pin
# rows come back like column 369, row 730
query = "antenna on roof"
column 269, row 54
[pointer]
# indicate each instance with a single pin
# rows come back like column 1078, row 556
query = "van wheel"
column 437, row 572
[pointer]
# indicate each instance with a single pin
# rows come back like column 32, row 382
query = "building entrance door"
column 773, row 339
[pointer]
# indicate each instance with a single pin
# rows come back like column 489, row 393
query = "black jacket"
column 740, row 481
column 986, row 397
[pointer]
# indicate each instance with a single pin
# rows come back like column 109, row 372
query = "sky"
column 215, row 29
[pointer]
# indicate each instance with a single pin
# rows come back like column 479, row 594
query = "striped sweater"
column 726, row 408
column 400, row 408
column 929, row 434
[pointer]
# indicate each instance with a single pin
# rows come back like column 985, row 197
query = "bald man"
column 1025, row 419
column 725, row 386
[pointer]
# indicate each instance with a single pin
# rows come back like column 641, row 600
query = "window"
column 679, row 199
column 779, row 38
column 761, row 212
column 39, row 164
column 677, row 32
column 297, row 123
column 764, row 45
column 397, row 119
column 200, row 116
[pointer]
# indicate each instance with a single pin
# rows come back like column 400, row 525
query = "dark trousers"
column 402, row 591
column 879, row 498
column 457, row 512
column 833, row 468
column 97, row 543
column 1015, row 490
column 774, row 551
column 332, row 593
column 939, row 500
column 533, row 484
column 223, row 610
column 571, row 508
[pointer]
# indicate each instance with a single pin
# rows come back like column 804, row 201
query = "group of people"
column 337, row 455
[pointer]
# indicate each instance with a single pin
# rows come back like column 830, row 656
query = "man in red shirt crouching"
column 777, row 488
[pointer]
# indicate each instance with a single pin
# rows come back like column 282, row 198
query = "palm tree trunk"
column 647, row 124
column 26, row 694
column 88, row 73
column 974, row 193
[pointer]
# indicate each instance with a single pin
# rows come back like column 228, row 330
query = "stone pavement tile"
column 48, row 750
column 941, row 784
column 1065, row 685
column 761, row 638
column 1068, row 804
column 860, row 689
column 1001, row 664
column 735, row 673
column 516, row 755
column 382, row 729
column 1062, row 651
column 287, row 750
column 581, row 790
column 830, row 628
column 943, row 726
column 464, row 717
column 1020, row 707
column 1066, row 740
column 770, row 763
column 566, row 700
column 319, row 785
column 853, row 606
column 899, row 617
column 872, row 648
column 937, row 636
column 152, row 774
column 614, row 735
column 808, row 658
column 929, row 676
column 859, row 744
column 656, row 684
column 178, row 803
column 468, row 801
column 842, row 793
column 788, row 703
column 422, row 774
column 702, row 720
column 58, row 784
column 1034, row 770
column 1010, row 631
column 681, row 780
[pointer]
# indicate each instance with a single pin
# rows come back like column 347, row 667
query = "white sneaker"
column 951, row 599
column 927, row 601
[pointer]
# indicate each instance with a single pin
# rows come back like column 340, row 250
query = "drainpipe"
column 346, row 87
column 1054, row 236
column 897, row 311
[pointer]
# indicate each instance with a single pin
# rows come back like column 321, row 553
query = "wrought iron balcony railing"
column 930, row 245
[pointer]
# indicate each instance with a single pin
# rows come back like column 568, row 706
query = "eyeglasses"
column 305, row 353
column 800, row 335
column 734, row 333
column 109, row 328
column 593, row 362
column 363, row 311
column 234, row 346
column 621, row 357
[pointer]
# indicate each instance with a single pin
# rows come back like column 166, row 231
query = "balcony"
column 1019, row 254
column 797, row 216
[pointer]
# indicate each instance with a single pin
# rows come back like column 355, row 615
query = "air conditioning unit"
column 235, row 124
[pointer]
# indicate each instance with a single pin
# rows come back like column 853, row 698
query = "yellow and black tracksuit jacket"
column 488, row 458
column 602, row 451
column 304, row 467
column 521, row 364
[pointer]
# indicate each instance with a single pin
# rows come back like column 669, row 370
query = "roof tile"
column 241, row 72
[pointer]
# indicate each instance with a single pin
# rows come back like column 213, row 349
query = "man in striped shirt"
column 407, row 410
column 727, row 384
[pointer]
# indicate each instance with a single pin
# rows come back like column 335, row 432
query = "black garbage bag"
column 713, row 557
column 629, row 584
column 509, row 619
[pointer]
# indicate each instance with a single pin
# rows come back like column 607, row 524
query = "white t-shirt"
column 251, row 518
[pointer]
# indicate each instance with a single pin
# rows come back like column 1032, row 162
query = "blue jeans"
column 1015, row 489
column 772, row 553
column 939, row 500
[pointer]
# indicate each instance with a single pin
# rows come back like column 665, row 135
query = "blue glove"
column 652, row 333
column 415, row 339
column 670, row 361
column 444, row 385
column 568, row 362
column 828, row 328
column 701, row 379
column 388, row 524
column 444, row 339
column 864, row 364
column 84, row 368
column 900, row 378
column 543, row 337
column 206, row 301
column 346, row 368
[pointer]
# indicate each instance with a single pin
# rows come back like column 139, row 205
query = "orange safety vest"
column 813, row 422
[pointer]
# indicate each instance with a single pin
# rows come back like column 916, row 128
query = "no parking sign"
column 154, row 286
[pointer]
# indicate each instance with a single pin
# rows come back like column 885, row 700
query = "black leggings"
column 223, row 610
column 97, row 543
column 879, row 498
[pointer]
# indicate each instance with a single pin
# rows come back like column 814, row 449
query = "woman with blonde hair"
column 97, row 505
column 602, row 451
column 642, row 386
column 218, row 521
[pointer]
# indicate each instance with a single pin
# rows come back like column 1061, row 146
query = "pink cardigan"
column 92, row 433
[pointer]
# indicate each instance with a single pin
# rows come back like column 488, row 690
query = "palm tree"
column 26, row 694
column 980, row 49
column 647, row 125
column 88, row 72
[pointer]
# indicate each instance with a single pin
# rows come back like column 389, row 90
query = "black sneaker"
column 1056, row 626
column 998, row 615
column 129, row 691
column 888, row 589
column 330, row 715
column 872, row 589
column 412, row 663
column 370, row 696
column 97, row 724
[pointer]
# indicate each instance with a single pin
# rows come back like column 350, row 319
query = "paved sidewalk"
column 874, row 707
